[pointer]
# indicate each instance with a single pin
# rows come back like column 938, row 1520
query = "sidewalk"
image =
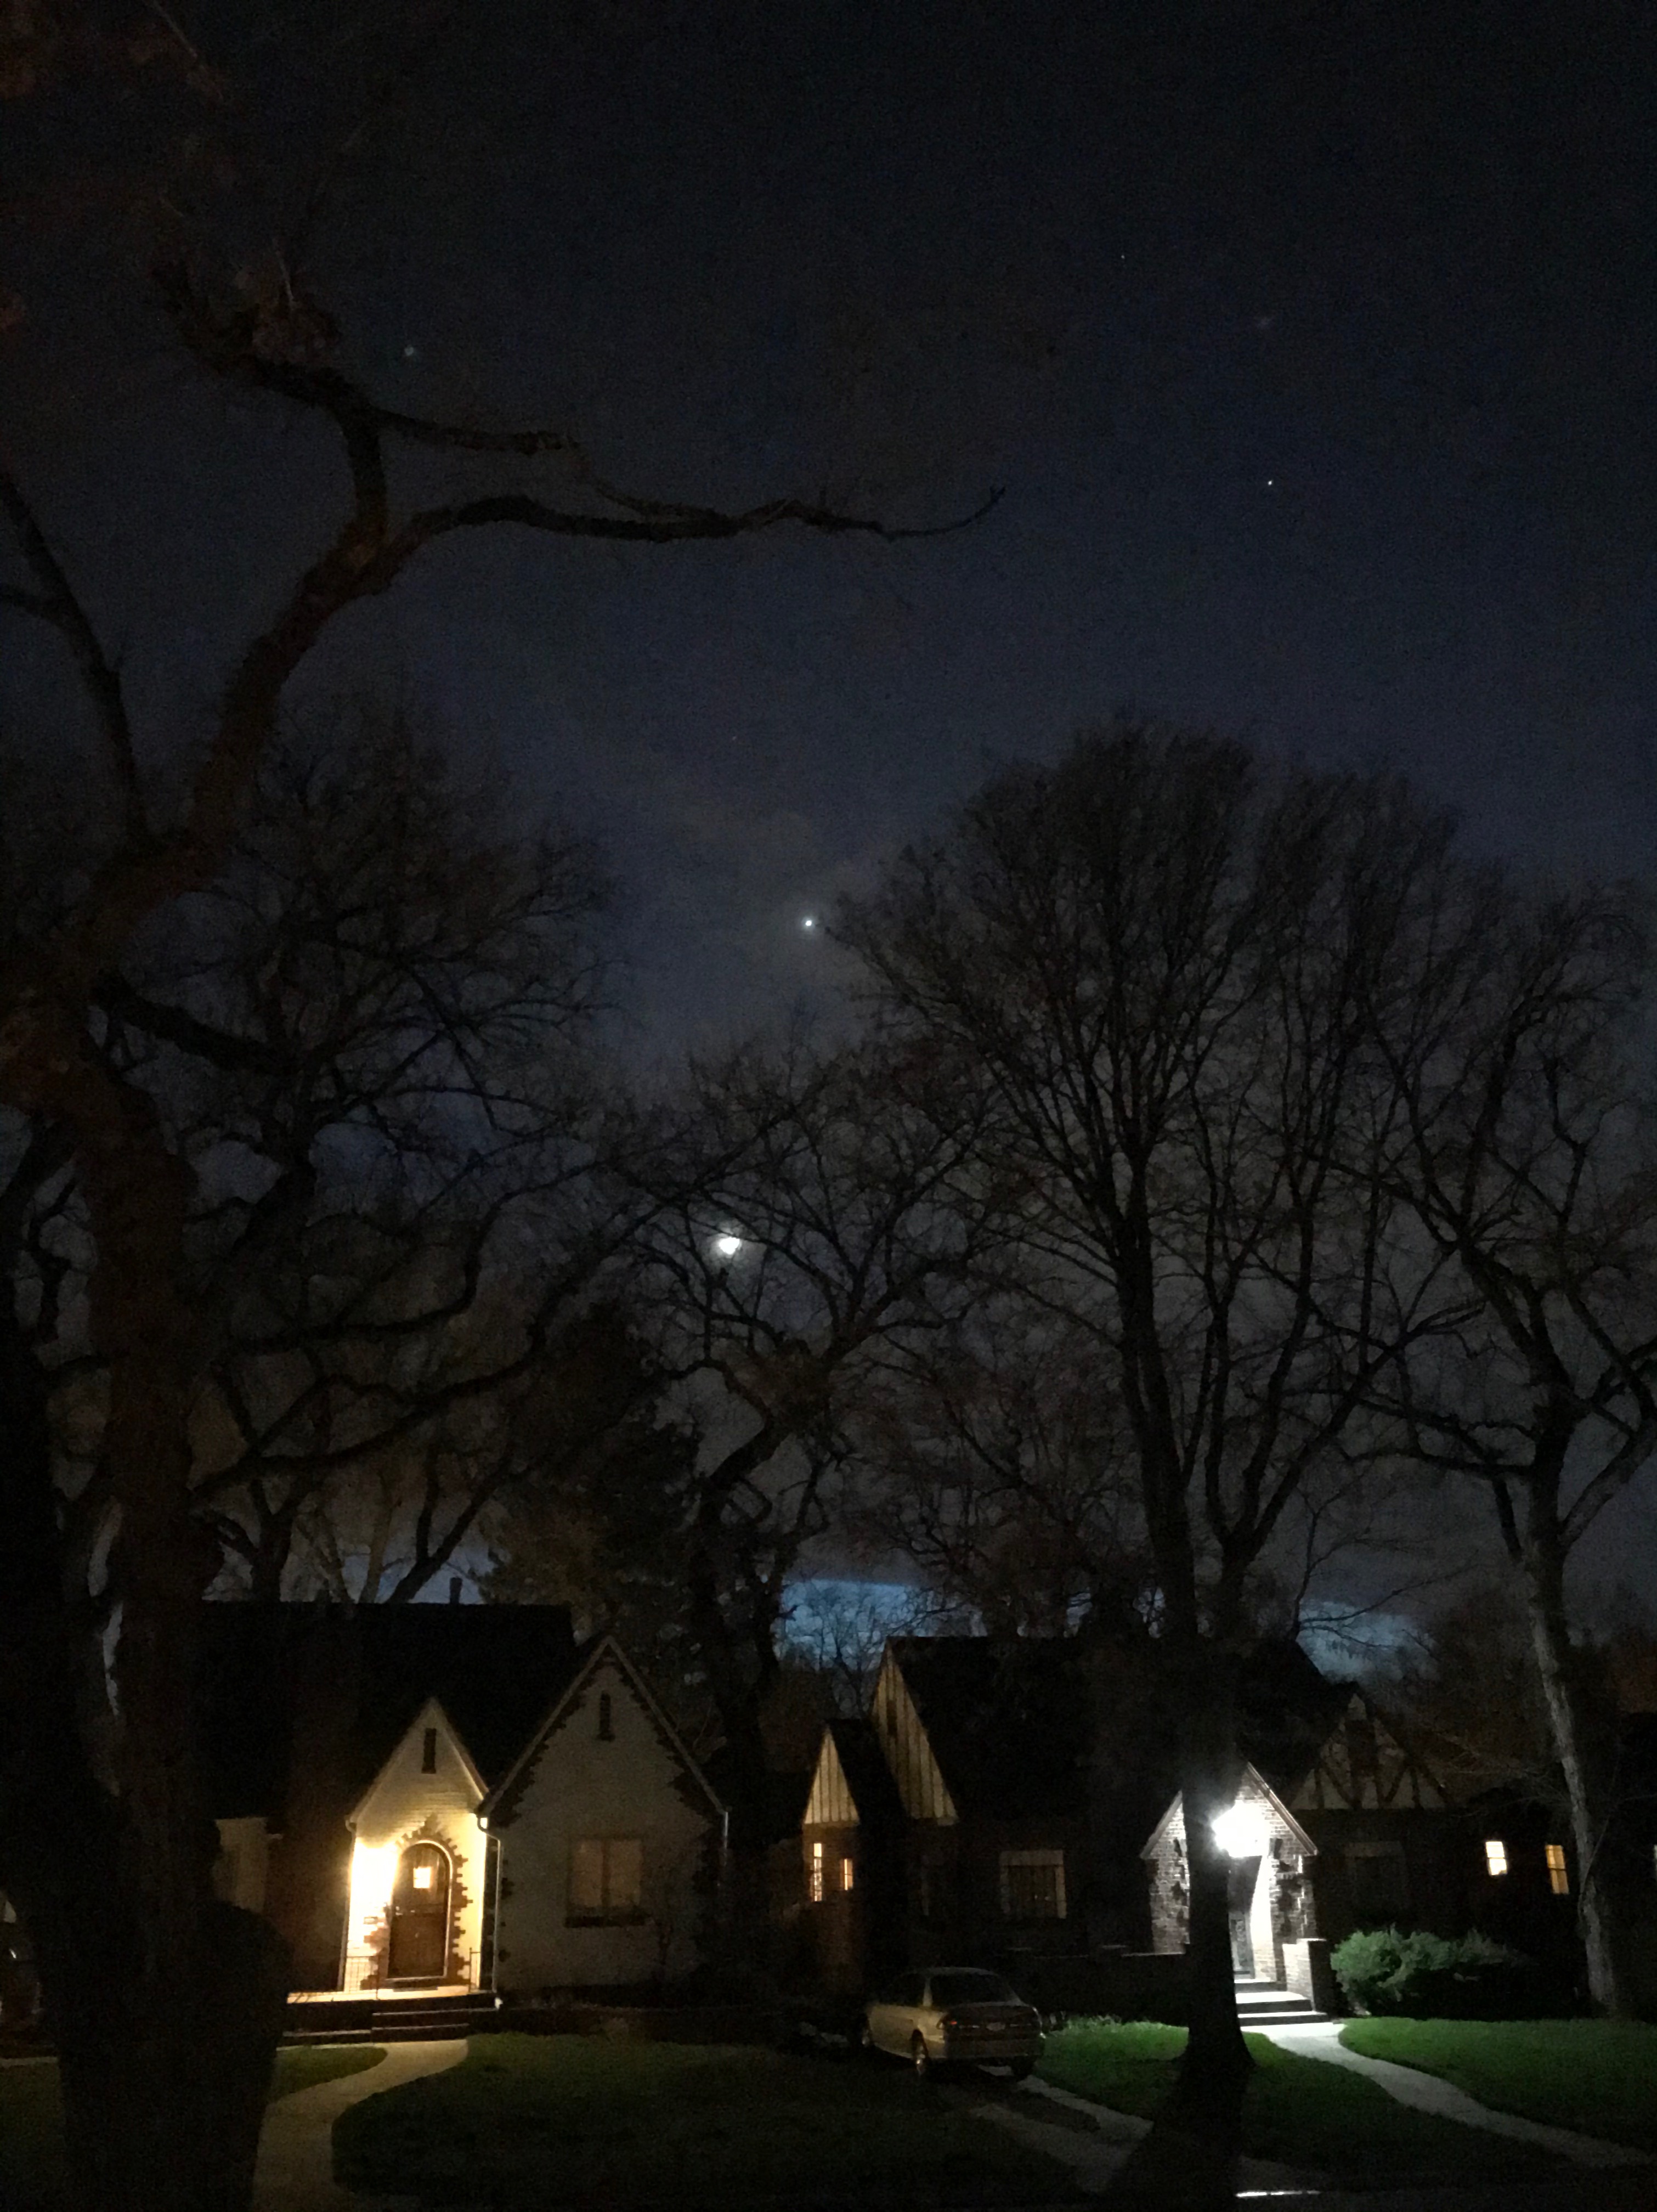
column 295, row 2172
column 1427, row 2093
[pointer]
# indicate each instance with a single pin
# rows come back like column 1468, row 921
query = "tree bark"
column 1571, row 1726
column 165, row 2004
column 1188, row 2161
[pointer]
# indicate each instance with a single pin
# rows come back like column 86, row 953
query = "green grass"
column 32, row 2176
column 549, row 2120
column 1303, row 2111
column 1598, row 2075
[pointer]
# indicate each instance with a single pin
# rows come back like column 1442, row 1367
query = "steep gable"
column 605, row 1671
column 905, row 1744
column 409, row 1781
column 1362, row 1767
column 852, row 1785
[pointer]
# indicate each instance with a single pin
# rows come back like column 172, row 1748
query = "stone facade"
column 1274, row 1900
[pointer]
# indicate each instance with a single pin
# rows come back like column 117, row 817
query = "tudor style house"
column 1355, row 1835
column 994, row 1805
column 460, row 1797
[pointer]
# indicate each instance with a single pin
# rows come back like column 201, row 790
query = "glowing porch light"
column 1240, row 1832
column 374, row 1870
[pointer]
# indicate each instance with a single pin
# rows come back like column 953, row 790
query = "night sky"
column 1314, row 345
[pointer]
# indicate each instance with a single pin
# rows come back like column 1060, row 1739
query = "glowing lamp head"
column 727, row 1246
column 1240, row 1832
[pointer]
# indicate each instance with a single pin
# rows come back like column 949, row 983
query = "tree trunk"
column 1571, row 1727
column 165, row 2004
column 1188, row 2161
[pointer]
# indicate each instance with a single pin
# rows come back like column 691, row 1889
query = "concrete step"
column 1262, row 2004
column 393, row 2019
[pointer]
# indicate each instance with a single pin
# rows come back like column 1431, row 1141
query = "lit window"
column 1496, row 1856
column 845, row 1874
column 423, row 1877
column 606, row 1876
column 1558, row 1874
column 428, row 1752
column 813, row 1877
column 1033, row 1885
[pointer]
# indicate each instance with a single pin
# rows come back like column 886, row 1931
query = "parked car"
column 954, row 2016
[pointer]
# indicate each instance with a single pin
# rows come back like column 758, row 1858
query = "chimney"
column 454, row 1590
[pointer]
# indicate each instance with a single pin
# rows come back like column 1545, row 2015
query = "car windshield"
column 971, row 1989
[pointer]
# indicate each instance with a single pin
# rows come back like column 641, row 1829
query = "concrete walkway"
column 1427, row 2093
column 1094, row 2154
column 295, row 2172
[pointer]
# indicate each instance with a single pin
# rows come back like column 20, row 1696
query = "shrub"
column 1426, row 1976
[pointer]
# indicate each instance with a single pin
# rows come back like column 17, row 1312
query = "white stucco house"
column 427, row 1797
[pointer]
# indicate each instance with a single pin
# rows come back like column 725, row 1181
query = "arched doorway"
column 419, row 1948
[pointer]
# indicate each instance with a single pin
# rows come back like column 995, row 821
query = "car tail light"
column 949, row 2020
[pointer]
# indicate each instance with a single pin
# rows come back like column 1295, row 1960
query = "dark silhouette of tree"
column 166, row 2039
column 1159, row 957
column 1516, row 1037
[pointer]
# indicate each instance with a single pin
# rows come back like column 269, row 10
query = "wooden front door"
column 420, row 1915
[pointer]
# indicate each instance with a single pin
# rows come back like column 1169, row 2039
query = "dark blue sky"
column 1314, row 345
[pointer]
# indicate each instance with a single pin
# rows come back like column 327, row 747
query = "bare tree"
column 996, row 1462
column 1159, row 959
column 165, row 2052
column 1517, row 1038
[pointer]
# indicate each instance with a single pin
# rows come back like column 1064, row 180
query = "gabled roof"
column 1012, row 1722
column 1251, row 1774
column 316, row 1698
column 603, row 1651
column 1362, row 1766
column 1008, row 1719
column 430, row 1716
column 853, row 1749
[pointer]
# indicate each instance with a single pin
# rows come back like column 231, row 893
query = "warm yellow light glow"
column 374, row 1869
column 1496, row 1856
column 1240, row 1832
column 422, row 1877
column 846, row 1871
column 1558, row 1875
column 816, row 1874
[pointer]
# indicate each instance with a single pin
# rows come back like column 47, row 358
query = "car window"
column 968, row 1986
column 906, row 1990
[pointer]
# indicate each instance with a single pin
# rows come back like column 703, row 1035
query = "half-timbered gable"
column 1362, row 1767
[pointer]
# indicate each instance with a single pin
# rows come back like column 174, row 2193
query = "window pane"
column 1496, row 1856
column 846, row 1872
column 586, row 1875
column 966, row 1988
column 1558, row 1875
column 1033, row 1885
column 625, row 1874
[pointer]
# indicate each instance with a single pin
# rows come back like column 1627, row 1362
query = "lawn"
column 32, row 2116
column 545, row 2120
column 1599, row 2075
column 1303, row 2111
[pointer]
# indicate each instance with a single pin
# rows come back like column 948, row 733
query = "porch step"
column 1268, row 2004
column 389, row 2020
